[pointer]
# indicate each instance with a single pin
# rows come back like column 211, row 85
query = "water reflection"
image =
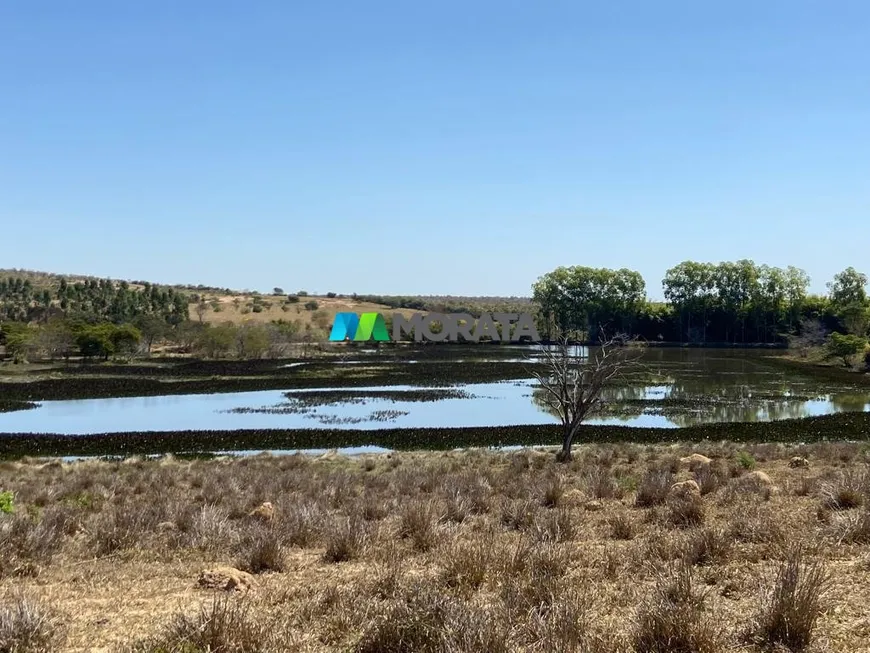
column 674, row 388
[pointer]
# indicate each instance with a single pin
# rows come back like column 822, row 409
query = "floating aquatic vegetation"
column 338, row 397
column 8, row 406
column 841, row 426
column 387, row 415
column 374, row 416
column 302, row 403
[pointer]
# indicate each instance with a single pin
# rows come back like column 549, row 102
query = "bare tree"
column 574, row 378
column 812, row 335
column 201, row 309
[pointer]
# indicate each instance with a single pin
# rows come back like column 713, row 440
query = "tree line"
column 91, row 300
column 62, row 338
column 730, row 302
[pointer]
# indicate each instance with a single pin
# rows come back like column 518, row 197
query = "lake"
column 677, row 387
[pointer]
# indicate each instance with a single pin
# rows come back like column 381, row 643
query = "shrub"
column 745, row 460
column 122, row 527
column 257, row 308
column 292, row 299
column 299, row 524
column 7, row 506
column 710, row 477
column 845, row 347
column 856, row 528
column 374, row 509
column 534, row 578
column 518, row 515
column 791, row 606
column 311, row 305
column 754, row 523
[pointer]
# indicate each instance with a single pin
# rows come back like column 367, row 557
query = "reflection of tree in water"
column 621, row 401
column 754, row 411
column 719, row 386
column 851, row 402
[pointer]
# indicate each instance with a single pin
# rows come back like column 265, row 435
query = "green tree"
column 125, row 339
column 56, row 339
column 218, row 340
column 689, row 288
column 252, row 341
column 96, row 341
column 152, row 327
column 848, row 296
column 848, row 287
column 18, row 340
column 588, row 299
column 846, row 347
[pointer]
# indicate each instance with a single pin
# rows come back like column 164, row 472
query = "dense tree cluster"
column 729, row 302
column 449, row 304
column 93, row 300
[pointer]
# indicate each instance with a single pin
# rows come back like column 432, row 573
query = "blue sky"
column 431, row 147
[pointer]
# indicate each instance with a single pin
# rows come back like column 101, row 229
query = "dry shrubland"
column 477, row 551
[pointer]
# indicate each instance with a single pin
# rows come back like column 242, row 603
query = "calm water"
column 677, row 388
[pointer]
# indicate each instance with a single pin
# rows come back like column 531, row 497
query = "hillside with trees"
column 50, row 316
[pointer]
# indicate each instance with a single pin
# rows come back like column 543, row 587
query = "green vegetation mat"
column 842, row 426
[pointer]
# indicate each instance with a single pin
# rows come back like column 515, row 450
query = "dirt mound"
column 685, row 489
column 265, row 511
column 229, row 579
column 695, row 460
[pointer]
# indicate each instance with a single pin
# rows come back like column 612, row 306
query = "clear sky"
column 450, row 147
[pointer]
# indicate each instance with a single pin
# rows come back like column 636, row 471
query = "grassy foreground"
column 441, row 551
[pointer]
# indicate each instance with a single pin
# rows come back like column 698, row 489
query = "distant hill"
column 41, row 280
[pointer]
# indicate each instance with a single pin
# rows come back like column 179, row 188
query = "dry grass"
column 239, row 309
column 792, row 603
column 448, row 552
column 27, row 626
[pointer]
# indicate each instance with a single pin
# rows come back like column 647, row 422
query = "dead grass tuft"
column 419, row 522
column 791, row 606
column 346, row 540
column 28, row 627
column 673, row 619
column 654, row 487
column 223, row 624
column 260, row 550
